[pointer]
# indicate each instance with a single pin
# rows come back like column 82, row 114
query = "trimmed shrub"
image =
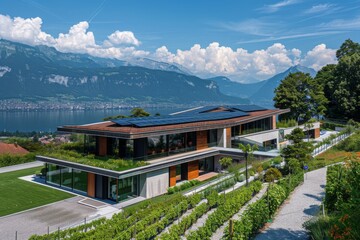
column 272, row 174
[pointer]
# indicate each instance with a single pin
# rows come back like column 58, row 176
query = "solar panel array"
column 170, row 120
column 248, row 108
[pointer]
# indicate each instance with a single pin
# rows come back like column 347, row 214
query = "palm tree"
column 247, row 149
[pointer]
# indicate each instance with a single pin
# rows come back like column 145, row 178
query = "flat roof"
column 204, row 118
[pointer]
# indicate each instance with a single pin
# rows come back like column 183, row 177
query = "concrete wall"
column 157, row 182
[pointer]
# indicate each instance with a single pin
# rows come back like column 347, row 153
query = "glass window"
column 112, row 189
column 191, row 140
column 53, row 174
column 157, row 145
column 80, row 180
column 256, row 126
column 212, row 137
column 66, row 177
column 176, row 142
column 128, row 188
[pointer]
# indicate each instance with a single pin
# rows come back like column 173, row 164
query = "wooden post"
column 231, row 228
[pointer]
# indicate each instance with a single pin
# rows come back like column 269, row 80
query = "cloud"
column 77, row 40
column 341, row 24
column 319, row 56
column 293, row 36
column 320, row 8
column 251, row 26
column 277, row 6
column 125, row 37
column 212, row 60
column 26, row 31
column 241, row 65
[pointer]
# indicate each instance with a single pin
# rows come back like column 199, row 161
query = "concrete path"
column 21, row 166
column 304, row 203
column 37, row 220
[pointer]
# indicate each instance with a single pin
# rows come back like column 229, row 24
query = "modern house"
column 176, row 147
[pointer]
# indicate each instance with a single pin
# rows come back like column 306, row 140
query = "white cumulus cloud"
column 205, row 61
column 319, row 56
column 124, row 37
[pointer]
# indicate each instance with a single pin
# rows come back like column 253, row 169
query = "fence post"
column 48, row 230
column 85, row 224
column 59, row 233
column 15, row 235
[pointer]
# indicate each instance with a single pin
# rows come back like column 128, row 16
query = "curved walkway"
column 303, row 204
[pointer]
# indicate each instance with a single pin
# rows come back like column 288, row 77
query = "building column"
column 193, row 170
column 101, row 146
column 91, row 185
column 172, row 176
column 201, row 140
column 228, row 137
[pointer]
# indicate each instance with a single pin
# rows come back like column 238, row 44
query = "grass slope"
column 18, row 195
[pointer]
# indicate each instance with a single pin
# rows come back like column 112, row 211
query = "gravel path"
column 220, row 231
column 304, row 203
column 200, row 222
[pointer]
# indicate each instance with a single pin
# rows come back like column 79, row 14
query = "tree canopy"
column 135, row 112
column 341, row 82
column 302, row 94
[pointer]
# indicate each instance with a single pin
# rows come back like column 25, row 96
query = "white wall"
column 157, row 182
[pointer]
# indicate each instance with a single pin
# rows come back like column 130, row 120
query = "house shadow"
column 316, row 197
column 312, row 210
column 283, row 234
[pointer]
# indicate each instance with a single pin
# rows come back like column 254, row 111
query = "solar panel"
column 248, row 108
column 170, row 120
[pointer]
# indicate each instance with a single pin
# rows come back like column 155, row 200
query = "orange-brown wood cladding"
column 274, row 122
column 172, row 174
column 193, row 170
column 102, row 145
column 91, row 185
column 317, row 132
column 228, row 137
column 201, row 140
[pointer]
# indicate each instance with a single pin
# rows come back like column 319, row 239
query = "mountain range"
column 43, row 73
column 260, row 93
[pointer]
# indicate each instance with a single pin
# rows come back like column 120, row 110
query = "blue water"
column 27, row 121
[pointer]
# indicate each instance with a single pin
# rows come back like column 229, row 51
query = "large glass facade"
column 212, row 137
column 53, row 175
column 252, row 127
column 176, row 142
column 128, row 188
column 157, row 145
column 112, row 191
column 66, row 177
column 80, row 179
column 206, row 165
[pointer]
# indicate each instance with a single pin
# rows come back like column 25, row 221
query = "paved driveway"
column 36, row 221
column 304, row 204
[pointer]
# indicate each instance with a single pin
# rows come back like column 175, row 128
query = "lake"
column 27, row 121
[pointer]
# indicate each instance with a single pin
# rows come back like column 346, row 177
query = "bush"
column 251, row 172
column 241, row 178
column 272, row 174
column 266, row 165
column 183, row 186
column 212, row 199
column 9, row 160
column 277, row 160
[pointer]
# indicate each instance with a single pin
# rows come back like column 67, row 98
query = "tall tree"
column 304, row 96
column 347, row 49
column 299, row 149
column 247, row 150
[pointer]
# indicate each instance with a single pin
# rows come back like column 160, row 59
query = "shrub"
column 212, row 198
column 266, row 165
column 9, row 160
column 272, row 174
column 225, row 162
column 251, row 172
column 277, row 160
column 241, row 178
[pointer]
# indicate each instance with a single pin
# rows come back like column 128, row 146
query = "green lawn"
column 18, row 195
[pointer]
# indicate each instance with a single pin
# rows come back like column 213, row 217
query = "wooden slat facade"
column 91, row 185
column 228, row 137
column 102, row 146
column 193, row 170
column 201, row 140
column 172, row 176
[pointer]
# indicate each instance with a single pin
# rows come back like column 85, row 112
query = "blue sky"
column 293, row 28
